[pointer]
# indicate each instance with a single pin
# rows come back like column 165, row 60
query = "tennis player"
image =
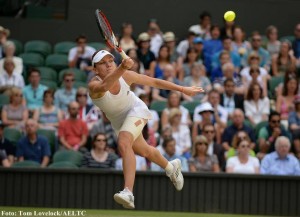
column 110, row 91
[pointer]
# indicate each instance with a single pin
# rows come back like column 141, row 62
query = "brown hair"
column 95, row 138
column 250, row 91
column 236, row 140
column 199, row 139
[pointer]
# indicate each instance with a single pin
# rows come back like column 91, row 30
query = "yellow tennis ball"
column 229, row 16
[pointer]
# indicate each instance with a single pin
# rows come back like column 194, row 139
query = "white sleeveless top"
column 125, row 103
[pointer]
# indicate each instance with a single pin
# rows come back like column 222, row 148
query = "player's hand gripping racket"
column 107, row 33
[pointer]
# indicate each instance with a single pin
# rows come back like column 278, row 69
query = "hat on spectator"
column 169, row 36
column 297, row 99
column 206, row 107
column 5, row 31
column 198, row 40
column 144, row 36
column 174, row 112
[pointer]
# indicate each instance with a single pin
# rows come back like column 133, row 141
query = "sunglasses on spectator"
column 209, row 131
column 100, row 140
column 69, row 80
column 201, row 143
column 275, row 121
column 252, row 71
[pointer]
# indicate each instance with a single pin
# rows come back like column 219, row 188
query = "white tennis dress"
column 118, row 107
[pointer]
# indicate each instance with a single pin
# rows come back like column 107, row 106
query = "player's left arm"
column 133, row 77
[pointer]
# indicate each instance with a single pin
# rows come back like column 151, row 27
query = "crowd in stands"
column 247, row 121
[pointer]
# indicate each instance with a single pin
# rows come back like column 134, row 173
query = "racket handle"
column 123, row 54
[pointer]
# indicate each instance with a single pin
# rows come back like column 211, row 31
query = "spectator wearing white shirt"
column 156, row 39
column 203, row 28
column 9, row 51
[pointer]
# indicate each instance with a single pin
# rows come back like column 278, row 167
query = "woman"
column 237, row 138
column 48, row 115
column 163, row 59
column 15, row 113
column 283, row 61
column 285, row 103
column 9, row 51
column 191, row 58
column 243, row 163
column 273, row 44
column 197, row 78
column 126, row 40
column 257, row 107
column 99, row 157
column 201, row 161
column 239, row 44
column 174, row 102
column 110, row 91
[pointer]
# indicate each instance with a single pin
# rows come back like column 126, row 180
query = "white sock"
column 169, row 168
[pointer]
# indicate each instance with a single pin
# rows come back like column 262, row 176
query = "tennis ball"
column 229, row 16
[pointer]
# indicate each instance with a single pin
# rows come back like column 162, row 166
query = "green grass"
column 33, row 212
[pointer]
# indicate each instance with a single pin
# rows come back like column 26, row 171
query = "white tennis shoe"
column 125, row 198
column 176, row 177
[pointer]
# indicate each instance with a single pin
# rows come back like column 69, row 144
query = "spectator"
column 155, row 121
column 296, row 143
column 169, row 146
column 185, row 44
column 34, row 91
column 170, row 42
column 81, row 56
column 99, row 157
column 181, row 133
column 203, row 28
column 229, row 99
column 190, row 59
column 48, row 116
column 144, row 54
column 273, row 44
column 15, row 113
column 284, row 60
column 224, row 58
column 294, row 116
column 166, row 132
column 296, row 43
column 257, row 107
column 4, row 33
column 239, row 44
column 9, row 51
column 10, row 78
column 141, row 163
column 162, row 60
column 198, row 45
column 197, row 78
column 268, row 135
column 174, row 102
column 127, row 41
column 238, row 119
column 155, row 34
column 33, row 146
column 208, row 130
column 280, row 162
column 7, row 149
column 201, row 161
column 66, row 93
column 73, row 132
column 243, row 163
column 227, row 29
column 257, row 47
column 88, row 113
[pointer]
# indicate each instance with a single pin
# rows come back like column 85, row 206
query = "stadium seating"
column 48, row 73
column 272, row 84
column 63, row 47
column 50, row 84
column 158, row 106
column 97, row 45
column 70, row 156
column 32, row 60
column 26, row 163
column 4, row 99
column 78, row 84
column 57, row 61
column 18, row 45
column 51, row 137
column 38, row 46
column 190, row 106
column 63, row 165
column 12, row 134
column 290, row 38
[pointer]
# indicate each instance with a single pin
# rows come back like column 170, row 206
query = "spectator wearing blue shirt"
column 296, row 42
column 32, row 146
column 34, row 92
column 280, row 162
column 294, row 116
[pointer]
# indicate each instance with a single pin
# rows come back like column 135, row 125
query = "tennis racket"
column 107, row 33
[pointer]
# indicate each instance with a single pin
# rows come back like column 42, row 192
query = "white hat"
column 169, row 36
column 144, row 36
column 206, row 107
column 100, row 54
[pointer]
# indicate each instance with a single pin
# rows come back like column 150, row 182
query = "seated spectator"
column 170, row 41
column 208, row 130
column 149, row 136
column 257, row 107
column 190, row 59
column 237, row 138
column 48, row 116
column 66, row 93
column 4, row 33
column 90, row 114
column 184, row 45
column 243, row 163
column 73, row 132
column 141, row 163
column 284, row 60
column 155, row 35
column 81, row 56
column 203, row 28
column 238, row 119
column 296, row 143
column 200, row 160
column 166, row 132
column 280, row 162
column 294, row 116
column 285, row 103
column 181, row 133
column 273, row 44
column 34, row 91
column 33, row 146
column 229, row 99
column 254, row 72
column 239, row 44
column 174, row 102
column 157, row 67
column 217, row 72
column 268, row 135
column 99, row 157
column 127, row 41
column 7, row 149
column 229, row 73
column 15, row 113
column 10, row 78
column 197, row 78
column 296, row 43
column 9, row 51
column 169, row 146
